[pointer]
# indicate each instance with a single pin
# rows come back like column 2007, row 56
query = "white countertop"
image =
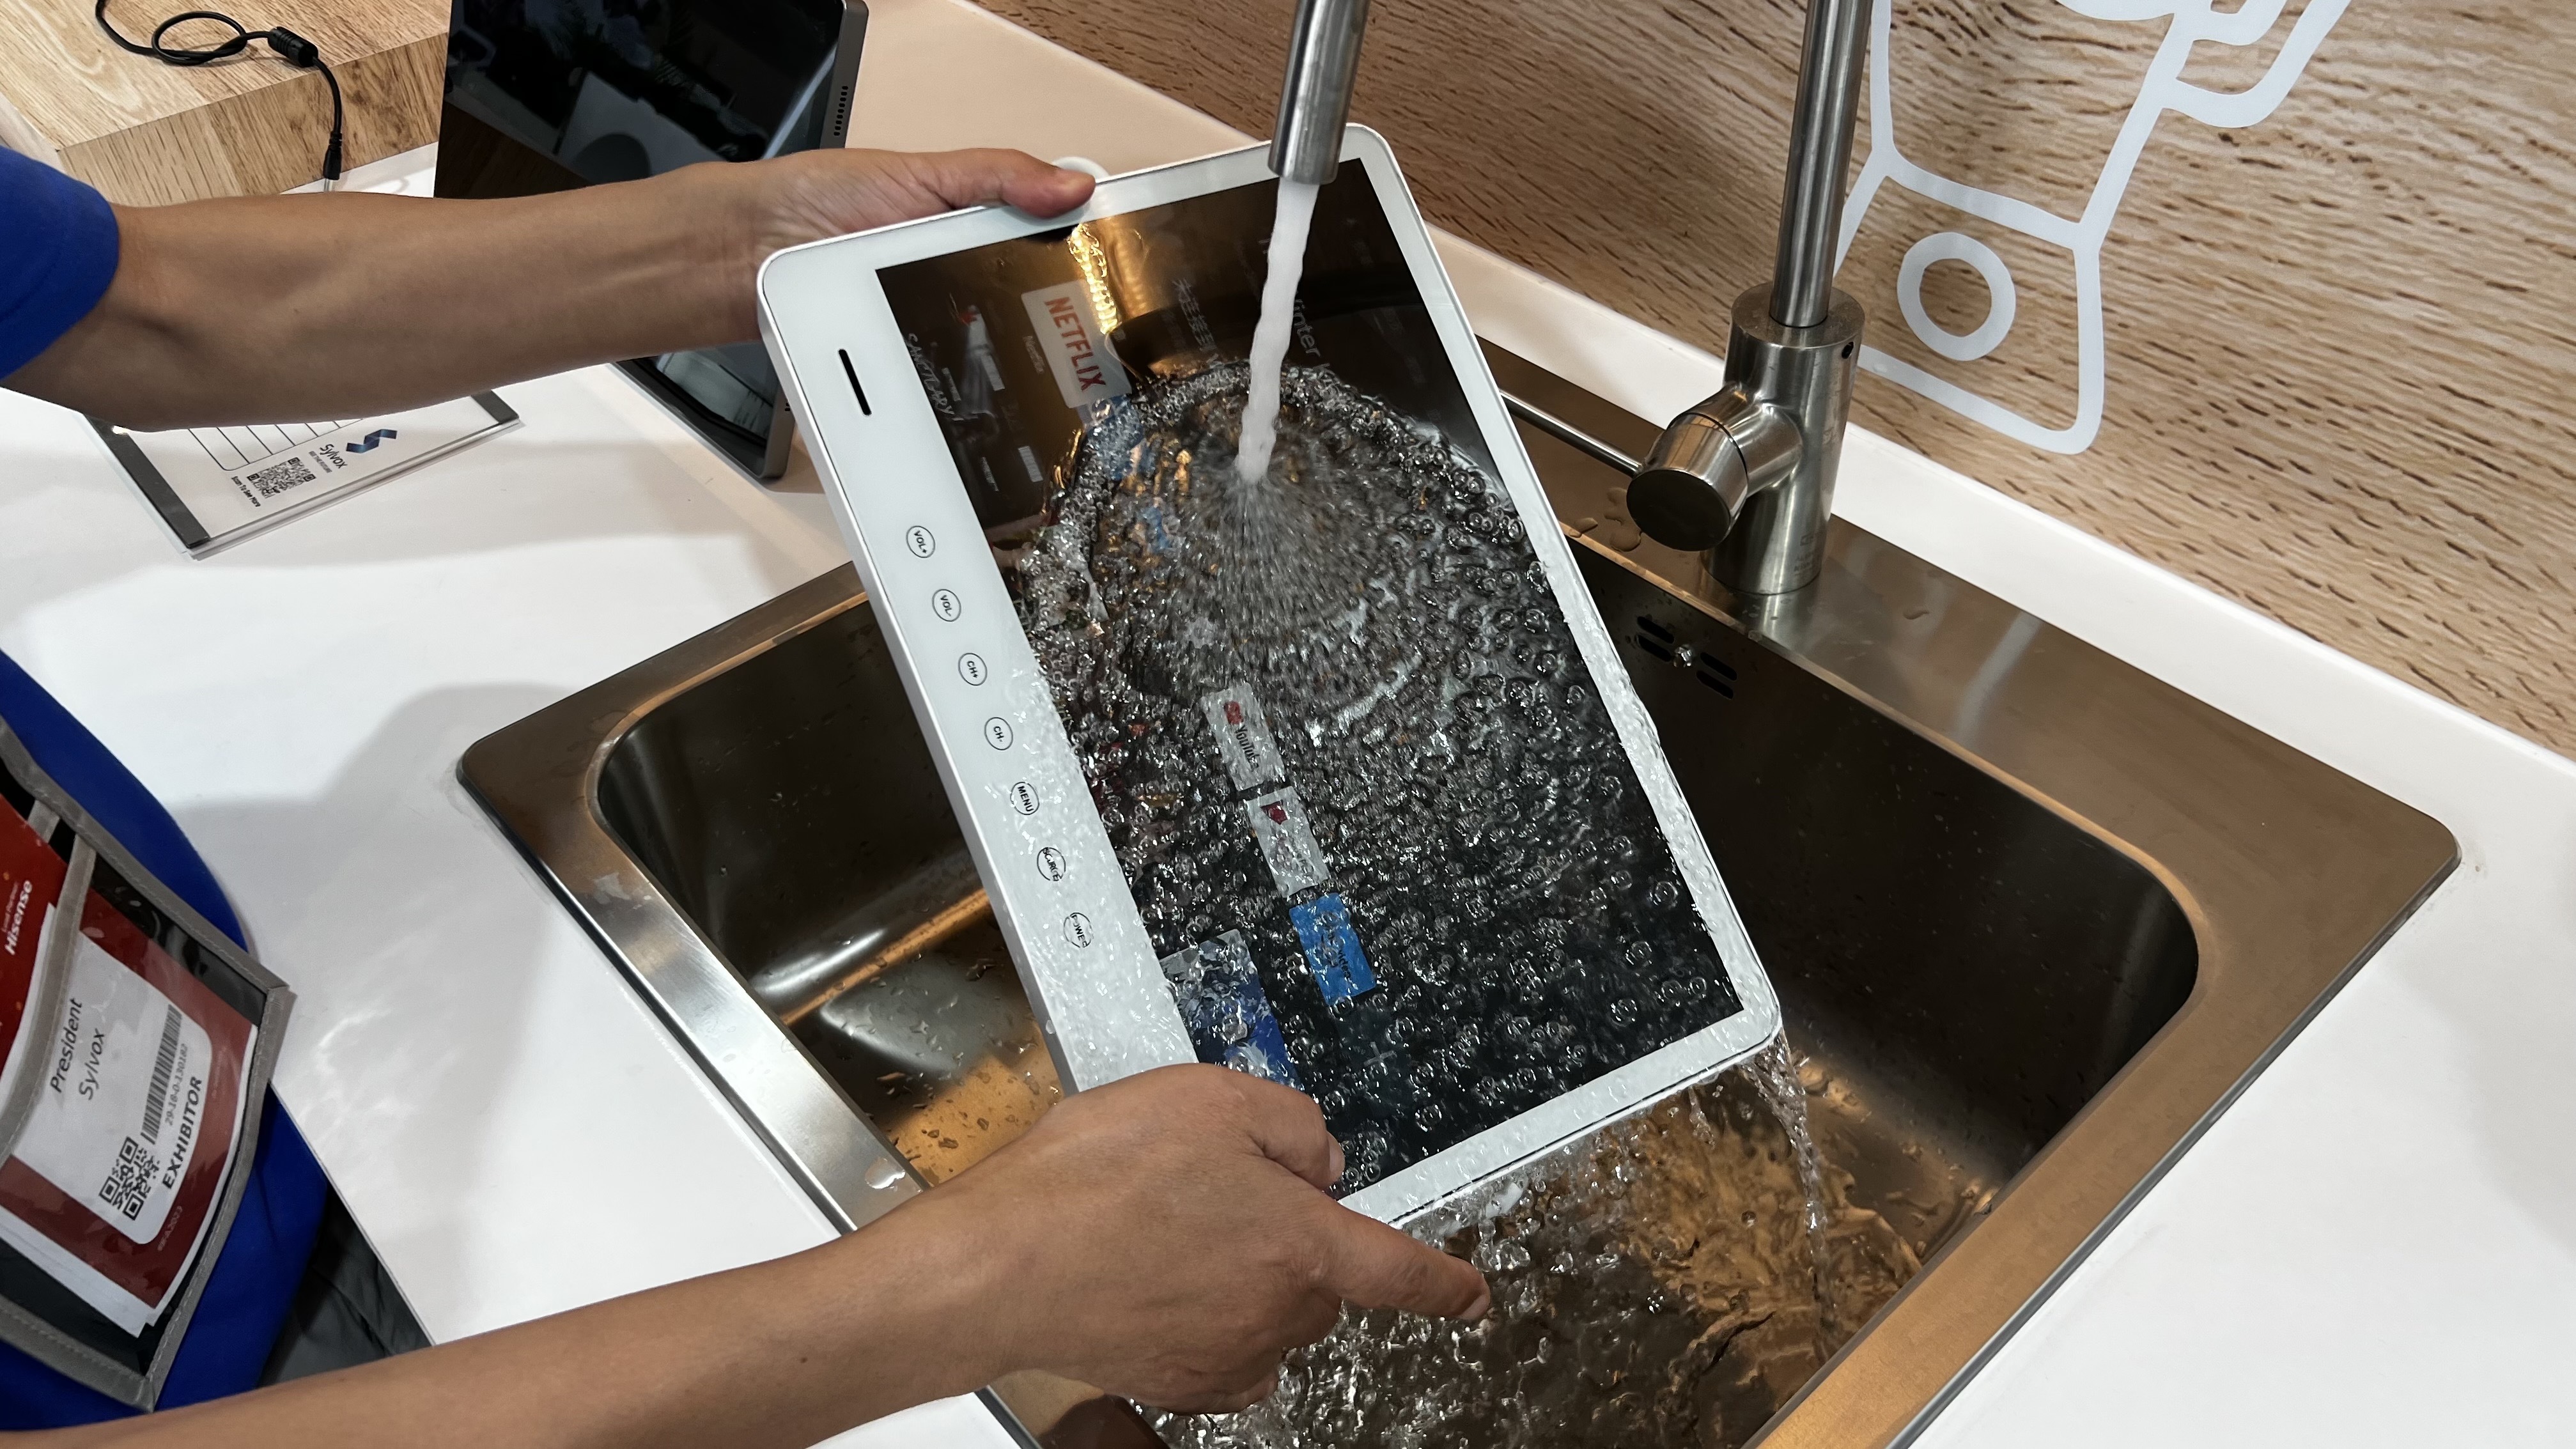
column 2377, row 1244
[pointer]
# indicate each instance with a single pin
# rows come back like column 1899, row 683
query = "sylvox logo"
column 368, row 443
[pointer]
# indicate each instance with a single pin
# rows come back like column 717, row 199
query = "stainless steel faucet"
column 1315, row 99
column 1748, row 474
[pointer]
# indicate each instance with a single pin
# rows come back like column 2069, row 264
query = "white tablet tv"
column 1335, row 777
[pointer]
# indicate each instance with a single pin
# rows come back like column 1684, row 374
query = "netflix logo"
column 1086, row 371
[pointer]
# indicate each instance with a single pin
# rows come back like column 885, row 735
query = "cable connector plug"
column 293, row 48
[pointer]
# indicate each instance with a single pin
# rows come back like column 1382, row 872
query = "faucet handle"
column 1708, row 462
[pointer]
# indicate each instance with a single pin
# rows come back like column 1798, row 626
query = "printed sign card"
column 215, row 487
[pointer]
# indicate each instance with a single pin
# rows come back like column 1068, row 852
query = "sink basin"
column 2035, row 916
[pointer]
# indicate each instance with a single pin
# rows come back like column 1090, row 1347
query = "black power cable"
column 292, row 48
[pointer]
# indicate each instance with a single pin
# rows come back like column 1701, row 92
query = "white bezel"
column 888, row 471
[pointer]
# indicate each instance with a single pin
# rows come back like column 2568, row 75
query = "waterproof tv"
column 1331, row 776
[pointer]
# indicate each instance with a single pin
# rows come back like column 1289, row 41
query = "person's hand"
column 816, row 194
column 1167, row 1238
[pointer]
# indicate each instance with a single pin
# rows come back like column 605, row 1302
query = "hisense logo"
column 17, row 917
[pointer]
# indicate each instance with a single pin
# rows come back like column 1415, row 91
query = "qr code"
column 281, row 477
column 129, row 1180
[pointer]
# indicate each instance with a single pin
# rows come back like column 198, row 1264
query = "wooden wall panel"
column 2336, row 350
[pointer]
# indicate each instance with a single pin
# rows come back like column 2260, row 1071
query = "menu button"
column 1024, row 798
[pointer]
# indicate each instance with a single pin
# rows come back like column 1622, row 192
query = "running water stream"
column 1287, row 262
column 1672, row 1279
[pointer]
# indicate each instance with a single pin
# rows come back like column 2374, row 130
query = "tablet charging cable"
column 290, row 47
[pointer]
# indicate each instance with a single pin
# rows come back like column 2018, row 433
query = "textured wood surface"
column 147, row 133
column 2337, row 343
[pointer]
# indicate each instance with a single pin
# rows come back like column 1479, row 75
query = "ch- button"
column 997, row 733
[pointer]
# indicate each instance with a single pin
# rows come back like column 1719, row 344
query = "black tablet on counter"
column 551, row 97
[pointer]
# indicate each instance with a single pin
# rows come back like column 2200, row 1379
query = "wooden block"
column 146, row 133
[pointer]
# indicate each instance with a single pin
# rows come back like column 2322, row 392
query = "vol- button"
column 918, row 539
column 1024, row 797
column 997, row 733
column 945, row 604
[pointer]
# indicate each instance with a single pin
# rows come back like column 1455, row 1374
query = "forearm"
column 1166, row 1237
column 777, row 1356
column 292, row 308
column 296, row 308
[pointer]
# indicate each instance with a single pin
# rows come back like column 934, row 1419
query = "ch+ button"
column 1024, row 797
column 970, row 667
column 918, row 539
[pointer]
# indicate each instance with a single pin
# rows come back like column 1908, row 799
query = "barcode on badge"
column 165, row 1065
column 280, row 478
column 129, row 1180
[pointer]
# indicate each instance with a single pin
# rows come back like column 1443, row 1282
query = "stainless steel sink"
column 2035, row 916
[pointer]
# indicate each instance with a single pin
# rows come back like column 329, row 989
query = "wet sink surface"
column 2032, row 916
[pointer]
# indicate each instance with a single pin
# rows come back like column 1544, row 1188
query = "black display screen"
column 547, row 95
column 616, row 90
column 1182, row 285
column 1364, row 791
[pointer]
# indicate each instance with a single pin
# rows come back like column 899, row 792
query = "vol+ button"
column 918, row 539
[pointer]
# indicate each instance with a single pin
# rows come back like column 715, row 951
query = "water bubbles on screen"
column 1373, row 590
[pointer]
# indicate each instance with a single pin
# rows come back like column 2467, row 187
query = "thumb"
column 1287, row 1127
column 1372, row 1265
column 1015, row 178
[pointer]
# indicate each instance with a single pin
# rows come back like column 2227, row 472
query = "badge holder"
column 138, row 1045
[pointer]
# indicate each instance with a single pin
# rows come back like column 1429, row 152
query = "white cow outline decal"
column 2163, row 90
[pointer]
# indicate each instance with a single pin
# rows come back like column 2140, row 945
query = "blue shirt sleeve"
column 57, row 255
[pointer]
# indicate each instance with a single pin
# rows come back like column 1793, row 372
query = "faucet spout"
column 1747, row 476
column 1820, row 147
column 1315, row 99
